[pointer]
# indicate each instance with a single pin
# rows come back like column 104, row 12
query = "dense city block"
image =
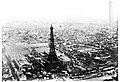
column 60, row 52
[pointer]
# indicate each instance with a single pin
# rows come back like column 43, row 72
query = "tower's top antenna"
column 51, row 27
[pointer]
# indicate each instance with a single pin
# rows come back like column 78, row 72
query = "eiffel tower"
column 52, row 54
column 55, row 64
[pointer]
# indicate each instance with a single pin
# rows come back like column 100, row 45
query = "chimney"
column 110, row 16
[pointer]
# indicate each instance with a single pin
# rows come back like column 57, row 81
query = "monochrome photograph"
column 59, row 40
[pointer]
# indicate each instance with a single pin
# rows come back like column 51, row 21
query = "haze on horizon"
column 62, row 11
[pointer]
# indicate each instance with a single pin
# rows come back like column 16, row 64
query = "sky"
column 58, row 10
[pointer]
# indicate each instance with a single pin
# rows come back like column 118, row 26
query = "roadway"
column 9, row 61
column 12, row 69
